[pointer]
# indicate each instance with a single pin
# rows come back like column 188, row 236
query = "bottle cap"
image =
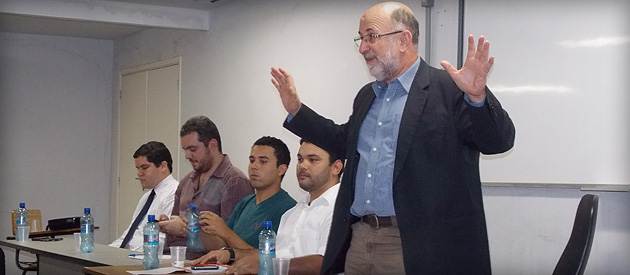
column 86, row 210
column 22, row 205
column 192, row 206
column 267, row 224
column 151, row 218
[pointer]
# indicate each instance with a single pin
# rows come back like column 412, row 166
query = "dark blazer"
column 436, row 185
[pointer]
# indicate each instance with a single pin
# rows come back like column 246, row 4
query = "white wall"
column 55, row 128
column 564, row 87
column 225, row 75
column 58, row 117
column 529, row 227
column 226, row 71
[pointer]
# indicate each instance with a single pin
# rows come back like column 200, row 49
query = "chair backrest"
column 33, row 215
column 575, row 255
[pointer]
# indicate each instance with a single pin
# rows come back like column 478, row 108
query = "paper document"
column 141, row 257
column 169, row 270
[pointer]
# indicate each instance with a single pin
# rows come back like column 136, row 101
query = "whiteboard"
column 562, row 71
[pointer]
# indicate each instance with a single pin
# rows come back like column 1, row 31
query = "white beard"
column 386, row 66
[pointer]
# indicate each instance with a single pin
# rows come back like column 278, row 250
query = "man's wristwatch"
column 232, row 256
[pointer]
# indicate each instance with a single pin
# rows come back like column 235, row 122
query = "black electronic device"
column 46, row 239
column 204, row 267
column 64, row 223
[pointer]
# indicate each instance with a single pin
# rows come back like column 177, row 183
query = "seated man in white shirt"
column 154, row 163
column 304, row 229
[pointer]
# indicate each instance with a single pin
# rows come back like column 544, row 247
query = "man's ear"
column 337, row 166
column 282, row 169
column 406, row 40
column 213, row 143
column 163, row 166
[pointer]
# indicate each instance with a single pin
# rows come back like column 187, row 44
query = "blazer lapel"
column 363, row 106
column 411, row 116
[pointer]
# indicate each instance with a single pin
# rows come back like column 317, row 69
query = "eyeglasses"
column 371, row 38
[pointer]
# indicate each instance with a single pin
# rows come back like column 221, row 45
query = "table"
column 49, row 233
column 120, row 270
column 60, row 257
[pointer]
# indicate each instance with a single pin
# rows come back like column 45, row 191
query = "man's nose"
column 363, row 47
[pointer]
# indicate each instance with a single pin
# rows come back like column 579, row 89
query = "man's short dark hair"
column 408, row 21
column 332, row 155
column 205, row 128
column 280, row 149
column 155, row 152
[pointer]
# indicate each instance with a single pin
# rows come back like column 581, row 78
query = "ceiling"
column 61, row 27
column 187, row 4
column 38, row 23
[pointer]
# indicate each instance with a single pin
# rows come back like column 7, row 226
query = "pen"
column 133, row 255
column 221, row 265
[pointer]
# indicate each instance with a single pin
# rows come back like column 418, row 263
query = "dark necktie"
column 138, row 219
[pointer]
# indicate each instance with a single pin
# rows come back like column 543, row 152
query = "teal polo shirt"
column 247, row 218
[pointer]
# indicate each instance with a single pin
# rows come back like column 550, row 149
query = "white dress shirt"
column 304, row 228
column 162, row 204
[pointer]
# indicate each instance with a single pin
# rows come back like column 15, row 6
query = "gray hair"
column 407, row 20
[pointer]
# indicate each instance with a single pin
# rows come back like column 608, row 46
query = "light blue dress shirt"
column 377, row 146
column 378, row 138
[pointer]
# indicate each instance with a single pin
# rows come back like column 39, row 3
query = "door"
column 149, row 110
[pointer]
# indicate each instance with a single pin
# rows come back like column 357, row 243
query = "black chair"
column 26, row 266
column 3, row 269
column 34, row 215
column 575, row 255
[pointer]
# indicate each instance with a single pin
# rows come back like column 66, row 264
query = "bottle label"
column 193, row 227
column 267, row 248
column 151, row 239
column 87, row 228
column 21, row 221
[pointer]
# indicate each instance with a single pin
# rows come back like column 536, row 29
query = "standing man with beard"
column 411, row 199
column 214, row 184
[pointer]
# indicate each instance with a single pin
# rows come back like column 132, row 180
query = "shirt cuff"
column 290, row 117
column 470, row 102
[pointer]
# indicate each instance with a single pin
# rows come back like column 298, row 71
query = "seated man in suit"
column 154, row 163
column 303, row 232
column 268, row 163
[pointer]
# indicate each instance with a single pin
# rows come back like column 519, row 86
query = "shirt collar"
column 162, row 183
column 405, row 79
column 223, row 167
column 219, row 172
column 328, row 197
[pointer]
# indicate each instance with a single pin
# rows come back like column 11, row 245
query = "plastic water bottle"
column 151, row 244
column 192, row 236
column 21, row 217
column 21, row 220
column 87, row 232
column 266, row 249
